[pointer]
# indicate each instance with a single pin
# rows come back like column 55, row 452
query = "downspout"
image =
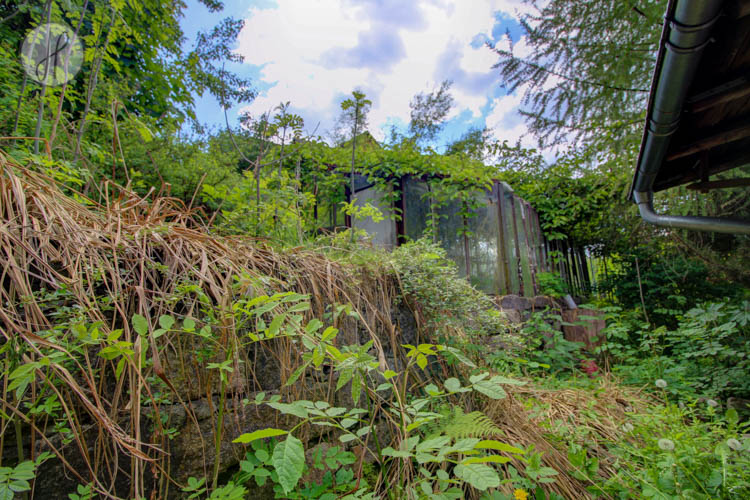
column 687, row 31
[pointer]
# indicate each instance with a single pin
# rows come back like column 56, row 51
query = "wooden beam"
column 687, row 173
column 719, row 139
column 720, row 184
column 738, row 8
column 721, row 94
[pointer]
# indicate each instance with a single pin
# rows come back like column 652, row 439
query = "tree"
column 474, row 143
column 586, row 76
column 133, row 62
column 428, row 112
column 285, row 122
column 354, row 113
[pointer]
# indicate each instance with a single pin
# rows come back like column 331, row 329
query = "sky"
column 313, row 53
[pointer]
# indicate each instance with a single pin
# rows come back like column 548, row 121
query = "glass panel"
column 448, row 235
column 510, row 241
column 417, row 207
column 360, row 182
column 483, row 245
column 523, row 246
column 382, row 233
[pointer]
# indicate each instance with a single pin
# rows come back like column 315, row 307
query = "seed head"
column 661, row 383
column 734, row 444
column 666, row 444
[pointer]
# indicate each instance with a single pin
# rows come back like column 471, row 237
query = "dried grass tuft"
column 592, row 417
column 136, row 252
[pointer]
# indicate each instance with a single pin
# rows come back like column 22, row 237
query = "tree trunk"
column 90, row 91
column 351, row 176
column 40, row 111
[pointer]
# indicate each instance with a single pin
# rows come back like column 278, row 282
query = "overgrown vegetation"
column 184, row 315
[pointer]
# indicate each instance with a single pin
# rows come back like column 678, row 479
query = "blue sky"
column 314, row 52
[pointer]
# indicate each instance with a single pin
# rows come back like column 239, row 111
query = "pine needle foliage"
column 584, row 68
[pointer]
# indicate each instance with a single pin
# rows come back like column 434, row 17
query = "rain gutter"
column 686, row 34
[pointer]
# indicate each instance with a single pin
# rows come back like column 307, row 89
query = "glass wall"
column 381, row 233
column 504, row 246
column 417, row 202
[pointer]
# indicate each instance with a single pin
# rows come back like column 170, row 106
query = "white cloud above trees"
column 314, row 52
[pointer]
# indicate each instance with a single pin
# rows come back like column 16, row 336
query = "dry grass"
column 136, row 253
column 591, row 417
column 130, row 254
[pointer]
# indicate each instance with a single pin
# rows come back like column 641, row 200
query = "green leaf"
column 345, row 438
column 329, row 333
column 275, row 326
column 497, row 459
column 499, row 379
column 260, row 434
column 460, row 356
column 363, row 430
column 313, row 325
column 166, row 321
column 262, row 455
column 265, row 308
column 140, row 324
column 289, row 461
column 490, row 389
column 299, row 371
column 356, row 387
column 119, row 368
column 300, row 307
column 452, row 384
column 433, row 443
column 479, row 476
column 19, row 486
column 348, row 422
column 295, row 409
column 491, row 444
column 390, row 452
column 344, row 377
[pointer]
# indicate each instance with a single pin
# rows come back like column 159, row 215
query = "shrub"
column 706, row 355
column 448, row 302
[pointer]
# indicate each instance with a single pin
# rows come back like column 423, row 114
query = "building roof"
column 698, row 117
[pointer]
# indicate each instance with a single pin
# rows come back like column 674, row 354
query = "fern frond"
column 459, row 425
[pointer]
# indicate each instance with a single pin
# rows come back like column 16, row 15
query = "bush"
column 449, row 303
column 682, row 453
column 670, row 284
column 706, row 355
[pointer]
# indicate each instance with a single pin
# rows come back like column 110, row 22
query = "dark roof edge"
column 687, row 30
column 652, row 91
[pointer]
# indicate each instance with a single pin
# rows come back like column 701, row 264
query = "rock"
column 587, row 331
column 515, row 302
column 193, row 449
column 541, row 302
column 513, row 315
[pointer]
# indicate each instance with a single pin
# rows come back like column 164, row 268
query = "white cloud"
column 292, row 44
column 504, row 121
